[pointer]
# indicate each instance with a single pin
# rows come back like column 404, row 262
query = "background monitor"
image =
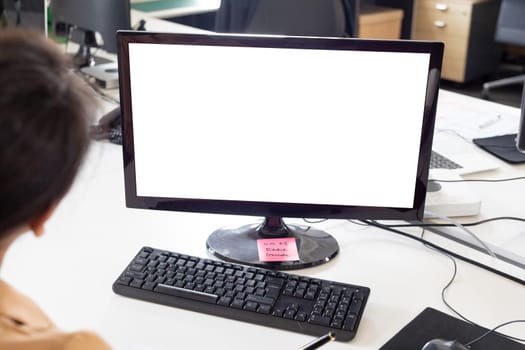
column 520, row 137
column 27, row 14
column 277, row 127
column 96, row 20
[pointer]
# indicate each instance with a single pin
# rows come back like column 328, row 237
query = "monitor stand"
column 83, row 57
column 504, row 147
column 239, row 245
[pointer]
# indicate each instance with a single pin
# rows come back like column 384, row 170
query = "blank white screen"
column 277, row 125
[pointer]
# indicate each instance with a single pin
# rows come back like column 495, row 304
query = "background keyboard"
column 438, row 161
column 265, row 297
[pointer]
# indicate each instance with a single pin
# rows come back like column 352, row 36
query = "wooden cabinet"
column 467, row 28
column 380, row 22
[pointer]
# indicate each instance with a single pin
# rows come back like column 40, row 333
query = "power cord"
column 483, row 180
column 455, row 255
column 451, row 255
column 443, row 298
column 475, row 223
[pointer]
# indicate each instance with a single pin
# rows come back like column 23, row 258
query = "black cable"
column 494, row 330
column 443, row 298
column 465, row 259
column 314, row 221
column 452, row 279
column 453, row 255
column 482, row 180
column 426, row 224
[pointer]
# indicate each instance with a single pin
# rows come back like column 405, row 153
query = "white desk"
column 64, row 273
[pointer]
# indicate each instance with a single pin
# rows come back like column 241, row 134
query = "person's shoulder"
column 84, row 340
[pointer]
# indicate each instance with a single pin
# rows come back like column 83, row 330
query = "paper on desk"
column 473, row 118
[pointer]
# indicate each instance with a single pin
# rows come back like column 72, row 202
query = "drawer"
column 444, row 18
column 454, row 56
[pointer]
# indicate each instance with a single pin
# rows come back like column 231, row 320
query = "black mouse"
column 442, row 344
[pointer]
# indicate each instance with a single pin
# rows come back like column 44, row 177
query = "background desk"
column 92, row 236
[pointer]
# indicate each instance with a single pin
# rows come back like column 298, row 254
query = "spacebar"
column 186, row 293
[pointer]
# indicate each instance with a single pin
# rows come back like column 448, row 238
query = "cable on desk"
column 494, row 330
column 461, row 257
column 483, row 180
column 461, row 227
column 475, row 223
column 453, row 255
column 443, row 298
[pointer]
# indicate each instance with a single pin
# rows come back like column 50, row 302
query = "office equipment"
column 433, row 324
column 509, row 147
column 333, row 18
column 27, row 14
column 260, row 296
column 96, row 21
column 438, row 161
column 450, row 199
column 460, row 152
column 105, row 74
column 444, row 344
column 344, row 95
column 108, row 127
column 467, row 29
column 510, row 30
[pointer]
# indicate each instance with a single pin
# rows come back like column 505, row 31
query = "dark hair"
column 44, row 115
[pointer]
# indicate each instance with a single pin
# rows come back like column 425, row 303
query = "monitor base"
column 239, row 245
column 504, row 147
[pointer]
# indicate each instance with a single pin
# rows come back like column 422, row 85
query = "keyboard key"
column 185, row 293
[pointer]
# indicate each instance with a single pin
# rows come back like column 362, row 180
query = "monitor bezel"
column 268, row 209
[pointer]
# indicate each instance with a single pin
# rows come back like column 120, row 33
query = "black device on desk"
column 277, row 127
column 275, row 299
column 91, row 24
column 435, row 330
column 510, row 147
column 272, row 127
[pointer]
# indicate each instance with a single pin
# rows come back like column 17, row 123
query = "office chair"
column 510, row 29
column 333, row 18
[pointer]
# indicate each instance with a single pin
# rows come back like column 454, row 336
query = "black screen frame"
column 267, row 209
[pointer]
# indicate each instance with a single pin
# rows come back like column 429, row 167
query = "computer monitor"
column 27, row 14
column 96, row 21
column 520, row 137
column 277, row 127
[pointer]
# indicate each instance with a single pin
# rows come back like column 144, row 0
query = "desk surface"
column 92, row 236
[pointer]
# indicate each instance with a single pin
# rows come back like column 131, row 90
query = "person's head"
column 45, row 110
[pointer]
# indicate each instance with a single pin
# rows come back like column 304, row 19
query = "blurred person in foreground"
column 45, row 110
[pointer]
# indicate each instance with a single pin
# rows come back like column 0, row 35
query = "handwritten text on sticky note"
column 277, row 249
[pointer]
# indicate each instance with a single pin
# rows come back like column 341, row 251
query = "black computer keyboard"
column 265, row 297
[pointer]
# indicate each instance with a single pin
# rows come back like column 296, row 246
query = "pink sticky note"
column 277, row 249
